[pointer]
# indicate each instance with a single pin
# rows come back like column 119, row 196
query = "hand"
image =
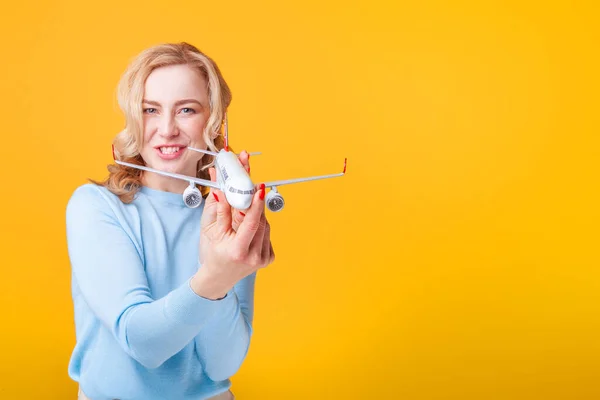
column 228, row 255
column 236, row 215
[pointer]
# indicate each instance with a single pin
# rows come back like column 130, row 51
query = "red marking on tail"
column 226, row 134
column 113, row 150
column 345, row 161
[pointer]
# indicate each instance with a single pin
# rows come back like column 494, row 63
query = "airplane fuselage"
column 234, row 180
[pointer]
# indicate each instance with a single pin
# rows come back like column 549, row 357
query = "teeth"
column 169, row 150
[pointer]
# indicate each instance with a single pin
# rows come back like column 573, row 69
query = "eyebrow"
column 177, row 103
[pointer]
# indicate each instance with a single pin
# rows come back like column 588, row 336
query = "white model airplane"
column 232, row 179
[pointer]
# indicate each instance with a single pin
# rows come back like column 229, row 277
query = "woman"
column 163, row 293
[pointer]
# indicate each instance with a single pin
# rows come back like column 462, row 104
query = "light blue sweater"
column 142, row 333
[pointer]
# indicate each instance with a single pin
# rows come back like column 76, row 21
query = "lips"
column 170, row 152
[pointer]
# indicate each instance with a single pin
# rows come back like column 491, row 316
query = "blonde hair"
column 125, row 181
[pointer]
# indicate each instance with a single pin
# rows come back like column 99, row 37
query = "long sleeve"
column 108, row 268
column 223, row 345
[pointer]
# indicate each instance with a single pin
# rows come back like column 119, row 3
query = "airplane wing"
column 199, row 181
column 312, row 178
column 212, row 153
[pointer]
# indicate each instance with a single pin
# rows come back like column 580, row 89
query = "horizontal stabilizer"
column 212, row 153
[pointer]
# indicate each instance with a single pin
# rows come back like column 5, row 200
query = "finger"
column 216, row 200
column 251, row 221
column 237, row 218
column 245, row 160
column 272, row 259
column 256, row 246
column 266, row 244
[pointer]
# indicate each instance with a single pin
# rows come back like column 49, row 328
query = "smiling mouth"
column 169, row 150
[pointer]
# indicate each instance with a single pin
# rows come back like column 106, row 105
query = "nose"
column 167, row 126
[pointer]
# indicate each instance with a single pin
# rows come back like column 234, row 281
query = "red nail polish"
column 216, row 197
column 242, row 213
column 262, row 191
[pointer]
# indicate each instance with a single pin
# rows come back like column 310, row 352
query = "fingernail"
column 216, row 197
column 262, row 191
column 242, row 213
column 248, row 169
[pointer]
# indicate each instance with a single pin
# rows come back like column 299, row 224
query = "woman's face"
column 175, row 110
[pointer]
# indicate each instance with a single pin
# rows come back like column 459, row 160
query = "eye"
column 188, row 110
column 149, row 110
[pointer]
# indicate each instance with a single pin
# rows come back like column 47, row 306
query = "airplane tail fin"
column 226, row 134
column 226, row 137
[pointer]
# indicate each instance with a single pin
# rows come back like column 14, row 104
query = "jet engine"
column 192, row 196
column 274, row 201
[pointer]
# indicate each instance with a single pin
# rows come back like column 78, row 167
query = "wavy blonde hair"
column 125, row 181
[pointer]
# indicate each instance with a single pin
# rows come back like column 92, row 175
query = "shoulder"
column 91, row 193
column 90, row 198
column 95, row 215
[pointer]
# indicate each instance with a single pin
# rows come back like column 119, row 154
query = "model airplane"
column 232, row 179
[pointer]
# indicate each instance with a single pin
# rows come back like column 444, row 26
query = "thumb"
column 218, row 205
column 237, row 217
column 209, row 214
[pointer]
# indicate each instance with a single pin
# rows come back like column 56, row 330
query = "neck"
column 163, row 183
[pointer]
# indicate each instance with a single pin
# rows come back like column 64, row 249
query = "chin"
column 174, row 166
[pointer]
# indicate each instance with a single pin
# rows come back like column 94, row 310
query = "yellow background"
column 457, row 259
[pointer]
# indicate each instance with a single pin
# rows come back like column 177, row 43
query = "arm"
column 223, row 345
column 108, row 269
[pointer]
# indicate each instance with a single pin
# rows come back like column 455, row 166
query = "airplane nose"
column 239, row 202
